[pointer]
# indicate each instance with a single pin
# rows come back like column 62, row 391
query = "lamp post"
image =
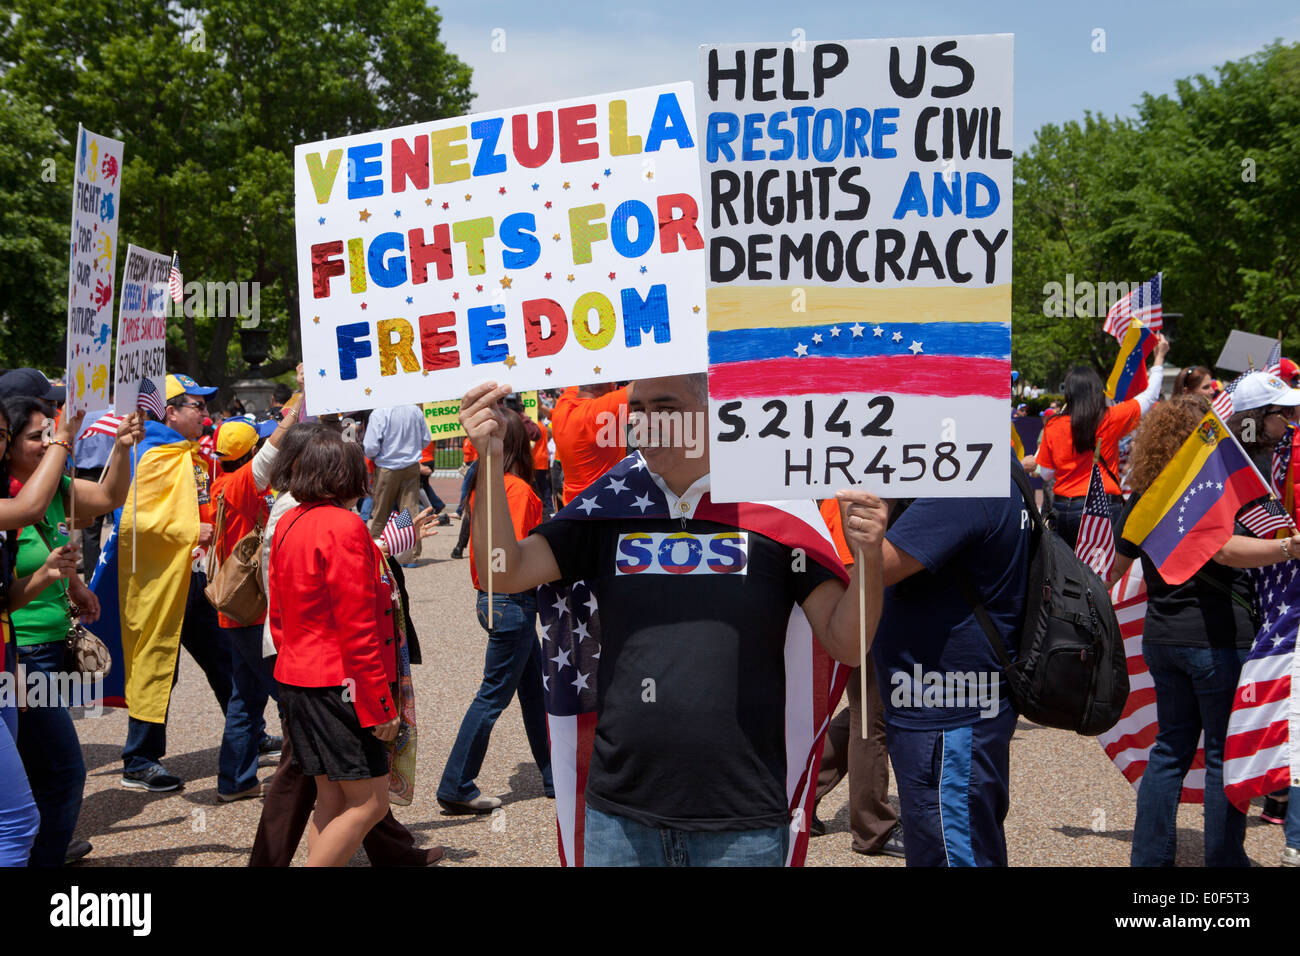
column 254, row 391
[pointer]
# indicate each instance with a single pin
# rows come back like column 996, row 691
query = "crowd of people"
column 273, row 549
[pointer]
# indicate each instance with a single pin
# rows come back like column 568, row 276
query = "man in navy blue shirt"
column 947, row 720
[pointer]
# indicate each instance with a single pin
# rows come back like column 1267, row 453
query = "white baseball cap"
column 1260, row 389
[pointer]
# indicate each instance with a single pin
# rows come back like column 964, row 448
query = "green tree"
column 210, row 100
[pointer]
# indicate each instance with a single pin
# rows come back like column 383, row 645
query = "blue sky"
column 560, row 50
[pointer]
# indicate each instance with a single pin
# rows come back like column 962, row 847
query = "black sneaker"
column 817, row 827
column 458, row 552
column 155, row 779
column 443, row 520
column 893, row 845
column 77, row 849
column 270, row 746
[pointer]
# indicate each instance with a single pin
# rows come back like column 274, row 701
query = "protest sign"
column 858, row 216
column 96, row 203
column 545, row 246
column 142, row 333
column 1245, row 350
column 444, row 420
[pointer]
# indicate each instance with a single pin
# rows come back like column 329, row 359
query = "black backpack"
column 1070, row 670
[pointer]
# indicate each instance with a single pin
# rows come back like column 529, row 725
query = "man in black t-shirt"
column 694, row 663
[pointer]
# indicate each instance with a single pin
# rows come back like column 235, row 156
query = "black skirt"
column 326, row 737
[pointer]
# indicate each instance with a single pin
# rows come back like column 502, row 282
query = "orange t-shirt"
column 830, row 509
column 525, row 515
column 245, row 503
column 426, row 456
column 541, row 456
column 469, row 451
column 576, row 424
column 1073, row 470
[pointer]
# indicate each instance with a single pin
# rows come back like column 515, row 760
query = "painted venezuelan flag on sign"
column 1187, row 514
column 1129, row 377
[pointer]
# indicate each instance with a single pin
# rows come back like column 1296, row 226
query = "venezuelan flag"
column 1187, row 513
column 1017, row 445
column 1129, row 377
column 141, row 614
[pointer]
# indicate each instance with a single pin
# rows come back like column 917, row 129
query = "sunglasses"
column 201, row 406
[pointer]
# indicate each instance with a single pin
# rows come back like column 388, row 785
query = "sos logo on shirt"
column 680, row 552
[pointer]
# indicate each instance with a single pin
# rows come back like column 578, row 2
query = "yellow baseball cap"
column 184, row 385
column 235, row 439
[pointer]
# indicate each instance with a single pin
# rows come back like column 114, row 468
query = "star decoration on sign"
column 570, row 276
column 467, row 197
column 595, row 185
column 316, row 319
column 801, row 350
column 548, row 204
column 915, row 347
column 363, row 307
column 446, row 205
column 478, row 288
column 607, row 172
column 321, row 220
column 877, row 331
column 556, row 237
column 548, row 371
column 505, row 282
column 364, row 215
column 695, row 308
column 817, row 338
column 428, row 202
column 898, row 336
column 548, row 275
column 535, row 187
column 856, row 329
column 397, row 213
column 835, row 331
column 322, row 373
column 367, row 391
column 510, row 361
column 566, row 185
column 455, row 295
column 501, row 191
column 611, row 275
column 649, row 174
column 596, row 369
column 409, row 300
column 643, row 270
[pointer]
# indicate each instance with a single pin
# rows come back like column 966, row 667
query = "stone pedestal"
column 255, row 394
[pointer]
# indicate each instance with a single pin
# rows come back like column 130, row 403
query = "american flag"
column 1281, row 464
column 568, row 618
column 150, row 399
column 399, row 533
column 1222, row 402
column 1257, row 756
column 1273, row 366
column 175, row 284
column 106, row 424
column 1096, row 542
column 1265, row 517
column 1128, row 744
column 1142, row 303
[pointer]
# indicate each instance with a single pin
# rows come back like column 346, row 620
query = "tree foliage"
column 1203, row 186
column 210, row 99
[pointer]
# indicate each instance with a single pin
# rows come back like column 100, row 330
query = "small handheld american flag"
column 150, row 399
column 1142, row 303
column 1096, row 542
column 175, row 284
column 1281, row 463
column 106, row 424
column 1274, row 364
column 1265, row 517
column 1222, row 402
column 399, row 533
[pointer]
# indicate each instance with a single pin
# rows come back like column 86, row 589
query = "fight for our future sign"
column 544, row 246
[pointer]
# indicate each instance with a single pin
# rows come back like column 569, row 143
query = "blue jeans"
column 1292, row 827
column 207, row 643
column 254, row 681
column 611, row 840
column 365, row 508
column 465, row 487
column 19, row 818
column 1194, row 690
column 51, row 752
column 513, row 664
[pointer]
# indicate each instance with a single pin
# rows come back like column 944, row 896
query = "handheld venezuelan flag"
column 1129, row 377
column 1017, row 444
column 1187, row 513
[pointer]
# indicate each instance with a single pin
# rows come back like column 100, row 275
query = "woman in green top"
column 47, row 738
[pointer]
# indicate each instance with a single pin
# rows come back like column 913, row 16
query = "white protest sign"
column 142, row 333
column 96, row 204
column 543, row 246
column 858, row 216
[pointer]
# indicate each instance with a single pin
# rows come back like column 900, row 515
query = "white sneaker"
column 1290, row 856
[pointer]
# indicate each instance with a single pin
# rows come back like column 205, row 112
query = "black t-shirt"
column 690, row 693
column 1194, row 613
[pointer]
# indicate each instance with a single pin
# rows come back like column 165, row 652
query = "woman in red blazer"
column 331, row 615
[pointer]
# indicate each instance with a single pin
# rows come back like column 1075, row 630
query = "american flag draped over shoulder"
column 150, row 399
column 1128, row 744
column 569, row 620
column 399, row 534
column 1142, row 303
column 1257, row 755
column 1095, row 544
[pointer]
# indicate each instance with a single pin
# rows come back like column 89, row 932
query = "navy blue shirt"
column 935, row 666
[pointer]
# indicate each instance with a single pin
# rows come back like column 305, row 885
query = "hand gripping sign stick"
column 487, row 466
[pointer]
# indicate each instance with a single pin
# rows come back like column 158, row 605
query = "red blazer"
column 331, row 608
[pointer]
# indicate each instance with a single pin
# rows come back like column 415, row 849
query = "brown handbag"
column 236, row 588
